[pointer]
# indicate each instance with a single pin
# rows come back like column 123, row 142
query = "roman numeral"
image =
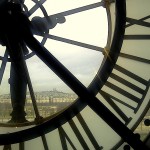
column 132, row 23
column 44, row 140
column 21, row 146
column 137, row 37
column 143, row 24
column 139, row 22
column 65, row 138
column 134, row 102
column 136, row 58
column 9, row 147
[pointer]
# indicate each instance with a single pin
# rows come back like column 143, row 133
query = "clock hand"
column 41, row 25
column 68, row 12
column 74, row 42
column 83, row 93
column 80, row 9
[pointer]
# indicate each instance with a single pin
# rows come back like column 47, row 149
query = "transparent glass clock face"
column 75, row 32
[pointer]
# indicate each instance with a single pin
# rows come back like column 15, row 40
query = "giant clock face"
column 80, row 82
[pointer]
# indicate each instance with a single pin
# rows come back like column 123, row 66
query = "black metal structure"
column 23, row 29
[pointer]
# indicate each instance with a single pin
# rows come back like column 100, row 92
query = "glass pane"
column 76, row 35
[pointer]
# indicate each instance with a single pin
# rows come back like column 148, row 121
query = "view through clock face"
column 72, row 34
column 85, row 38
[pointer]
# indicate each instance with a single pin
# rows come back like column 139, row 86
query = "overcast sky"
column 87, row 27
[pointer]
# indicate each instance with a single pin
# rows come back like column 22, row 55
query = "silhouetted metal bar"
column 7, row 147
column 114, row 106
column 78, row 135
column 136, row 58
column 127, row 83
column 21, row 146
column 35, row 7
column 80, row 9
column 18, row 87
column 131, row 75
column 81, row 90
column 123, row 92
column 88, row 132
column 138, row 22
column 40, row 5
column 27, row 76
column 84, row 45
column 63, row 138
column 118, row 100
column 142, row 19
column 44, row 142
column 19, row 75
column 137, row 37
column 3, row 66
column 17, row 82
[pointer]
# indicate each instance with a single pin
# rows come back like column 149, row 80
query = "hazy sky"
column 88, row 27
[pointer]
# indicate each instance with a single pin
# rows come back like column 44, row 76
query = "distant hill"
column 53, row 93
